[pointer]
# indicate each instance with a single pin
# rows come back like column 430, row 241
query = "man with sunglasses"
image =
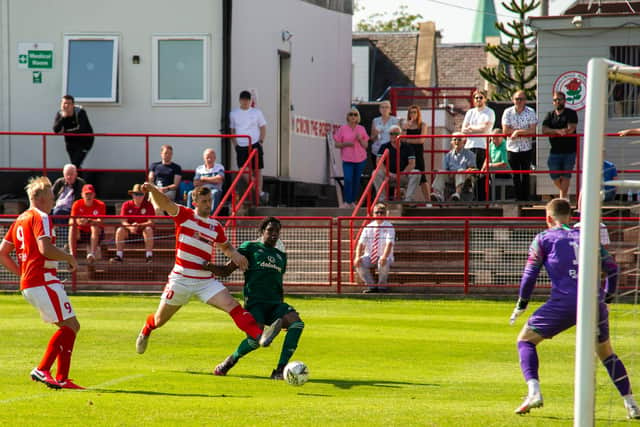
column 375, row 250
column 518, row 122
column 478, row 120
column 398, row 147
column 561, row 121
column 136, row 223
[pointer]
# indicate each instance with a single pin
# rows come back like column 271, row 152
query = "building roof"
column 603, row 7
column 485, row 22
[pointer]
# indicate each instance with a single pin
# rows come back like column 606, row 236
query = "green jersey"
column 263, row 278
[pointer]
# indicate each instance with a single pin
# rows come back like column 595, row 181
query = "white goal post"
column 599, row 70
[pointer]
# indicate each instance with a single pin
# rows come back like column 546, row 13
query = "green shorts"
column 267, row 313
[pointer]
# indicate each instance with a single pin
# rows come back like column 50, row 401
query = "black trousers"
column 521, row 160
column 481, row 154
column 77, row 152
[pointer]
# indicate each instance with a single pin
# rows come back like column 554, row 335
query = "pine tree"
column 517, row 67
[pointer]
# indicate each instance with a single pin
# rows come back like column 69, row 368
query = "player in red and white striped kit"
column 196, row 235
column 34, row 243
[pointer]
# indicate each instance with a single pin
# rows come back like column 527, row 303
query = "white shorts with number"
column 51, row 301
column 179, row 290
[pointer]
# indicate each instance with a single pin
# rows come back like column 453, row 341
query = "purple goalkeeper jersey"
column 557, row 250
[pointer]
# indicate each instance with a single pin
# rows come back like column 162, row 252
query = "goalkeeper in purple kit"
column 557, row 249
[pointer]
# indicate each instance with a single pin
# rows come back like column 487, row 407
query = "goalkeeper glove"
column 520, row 308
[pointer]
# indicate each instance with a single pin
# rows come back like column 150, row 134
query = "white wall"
column 320, row 72
column 32, row 106
column 360, row 77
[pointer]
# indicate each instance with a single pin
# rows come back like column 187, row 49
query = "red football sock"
column 67, row 339
column 245, row 321
column 150, row 325
column 53, row 349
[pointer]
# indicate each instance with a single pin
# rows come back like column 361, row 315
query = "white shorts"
column 179, row 290
column 51, row 301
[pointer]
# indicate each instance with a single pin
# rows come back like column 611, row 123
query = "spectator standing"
column 477, row 120
column 85, row 222
column 375, row 250
column 518, row 121
column 137, row 222
column 380, row 129
column 31, row 238
column 457, row 160
column 407, row 164
column 73, row 119
column 561, row 121
column 248, row 120
column 415, row 126
column 352, row 140
column 210, row 175
column 165, row 174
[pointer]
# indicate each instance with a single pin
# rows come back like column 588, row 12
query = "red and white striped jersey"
column 24, row 233
column 195, row 238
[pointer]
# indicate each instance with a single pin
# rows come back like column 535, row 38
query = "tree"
column 517, row 67
column 401, row 21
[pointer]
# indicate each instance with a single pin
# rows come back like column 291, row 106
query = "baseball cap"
column 88, row 188
column 137, row 188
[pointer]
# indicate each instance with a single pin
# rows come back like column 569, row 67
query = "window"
column 90, row 70
column 181, row 69
column 624, row 98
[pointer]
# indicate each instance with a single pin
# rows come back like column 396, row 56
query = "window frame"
column 155, row 84
column 115, row 38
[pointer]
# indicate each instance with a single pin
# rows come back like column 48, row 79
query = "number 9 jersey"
column 24, row 233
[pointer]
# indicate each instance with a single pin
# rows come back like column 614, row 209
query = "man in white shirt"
column 210, row 175
column 375, row 249
column 248, row 120
column 478, row 120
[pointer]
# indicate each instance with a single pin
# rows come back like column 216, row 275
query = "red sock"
column 67, row 339
column 52, row 351
column 245, row 321
column 150, row 325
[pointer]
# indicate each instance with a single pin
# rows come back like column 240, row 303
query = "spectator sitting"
column 84, row 228
column 138, row 212
column 498, row 159
column 375, row 249
column 67, row 189
column 458, row 159
column 210, row 175
column 407, row 164
column 165, row 174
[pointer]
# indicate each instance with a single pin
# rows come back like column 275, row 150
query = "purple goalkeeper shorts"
column 556, row 316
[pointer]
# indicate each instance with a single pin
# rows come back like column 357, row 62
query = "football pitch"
column 372, row 362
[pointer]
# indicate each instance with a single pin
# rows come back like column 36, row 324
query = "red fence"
column 481, row 255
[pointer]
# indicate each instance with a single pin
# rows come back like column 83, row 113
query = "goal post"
column 599, row 70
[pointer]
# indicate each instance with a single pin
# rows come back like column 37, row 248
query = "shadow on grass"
column 159, row 393
column 345, row 384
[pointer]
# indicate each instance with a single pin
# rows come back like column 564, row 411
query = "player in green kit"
column 264, row 295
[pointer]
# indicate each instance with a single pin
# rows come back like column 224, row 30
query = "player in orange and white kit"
column 196, row 236
column 32, row 239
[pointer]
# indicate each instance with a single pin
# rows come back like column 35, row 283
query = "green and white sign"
column 37, row 76
column 35, row 55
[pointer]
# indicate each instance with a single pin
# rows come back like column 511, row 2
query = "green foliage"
column 401, row 21
column 373, row 362
column 517, row 68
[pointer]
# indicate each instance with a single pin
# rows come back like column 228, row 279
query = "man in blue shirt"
column 557, row 249
column 458, row 159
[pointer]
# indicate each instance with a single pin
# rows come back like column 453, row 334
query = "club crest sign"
column 574, row 85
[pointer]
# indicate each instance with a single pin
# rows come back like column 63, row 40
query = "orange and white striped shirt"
column 35, row 269
column 195, row 238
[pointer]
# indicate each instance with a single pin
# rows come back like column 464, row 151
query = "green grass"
column 372, row 362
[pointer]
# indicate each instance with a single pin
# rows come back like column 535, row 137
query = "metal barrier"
column 480, row 255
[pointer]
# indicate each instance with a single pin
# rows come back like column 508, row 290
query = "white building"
column 163, row 66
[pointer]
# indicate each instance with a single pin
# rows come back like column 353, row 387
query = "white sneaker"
column 141, row 343
column 270, row 332
column 530, row 402
column 455, row 197
column 633, row 412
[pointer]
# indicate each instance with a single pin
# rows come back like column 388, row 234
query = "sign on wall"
column 574, row 85
column 34, row 55
column 312, row 127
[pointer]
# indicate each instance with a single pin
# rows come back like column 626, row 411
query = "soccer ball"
column 296, row 373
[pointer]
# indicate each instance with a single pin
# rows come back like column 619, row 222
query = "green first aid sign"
column 40, row 59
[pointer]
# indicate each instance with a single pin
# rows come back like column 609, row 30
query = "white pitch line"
column 102, row 385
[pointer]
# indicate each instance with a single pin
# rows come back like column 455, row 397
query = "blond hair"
column 37, row 186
